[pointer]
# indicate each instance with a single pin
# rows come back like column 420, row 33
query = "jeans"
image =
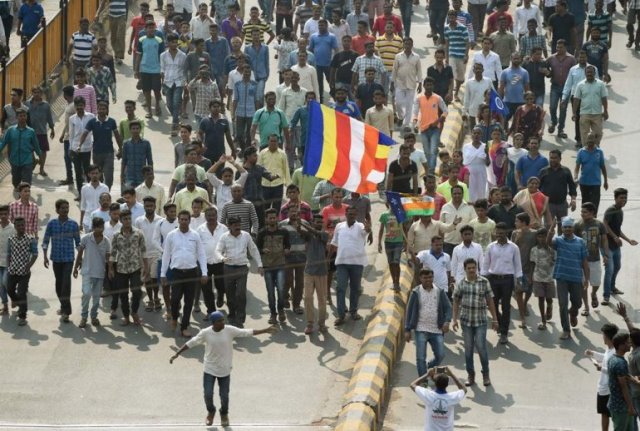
column 274, row 279
column 243, row 128
column 611, row 271
column 81, row 162
column 62, row 272
column 430, row 140
column 17, row 287
column 590, row 194
column 265, row 6
column 91, row 289
column 351, row 274
column 105, row 162
column 437, row 344
column 502, row 287
column 208, row 382
column 633, row 17
column 124, row 283
column 21, row 174
column 260, row 91
column 568, row 290
column 475, row 338
column 184, row 284
column 272, row 197
column 67, row 162
column 3, row 285
column 554, row 100
column 540, row 100
column 406, row 11
column 322, row 72
column 173, row 95
column 437, row 18
column 235, row 284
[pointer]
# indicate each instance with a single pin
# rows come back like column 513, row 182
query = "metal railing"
column 40, row 55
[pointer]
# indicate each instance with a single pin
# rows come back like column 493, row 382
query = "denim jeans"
column 437, row 345
column 62, row 272
column 21, row 174
column 105, row 162
column 475, row 338
column 242, row 129
column 274, row 279
column 430, row 140
column 3, row 285
column 437, row 18
column 174, row 102
column 260, row 91
column 611, row 271
column 406, row 10
column 67, row 162
column 208, row 382
column 540, row 100
column 91, row 289
column 555, row 97
column 568, row 291
column 352, row 275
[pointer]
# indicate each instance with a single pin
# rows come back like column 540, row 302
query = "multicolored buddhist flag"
column 405, row 206
column 345, row 151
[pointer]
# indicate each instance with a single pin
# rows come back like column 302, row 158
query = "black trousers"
column 81, row 162
column 216, row 277
column 17, row 287
column 124, row 283
column 235, row 285
column 502, row 287
column 62, row 272
column 184, row 284
column 591, row 194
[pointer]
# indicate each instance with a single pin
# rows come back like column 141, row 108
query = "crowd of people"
column 239, row 199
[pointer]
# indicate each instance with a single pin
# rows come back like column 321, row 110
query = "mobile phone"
column 440, row 370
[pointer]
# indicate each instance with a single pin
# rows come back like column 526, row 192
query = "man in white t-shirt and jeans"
column 218, row 340
column 439, row 404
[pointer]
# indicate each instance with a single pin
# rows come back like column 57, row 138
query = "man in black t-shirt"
column 443, row 77
column 505, row 211
column 563, row 26
column 613, row 218
column 403, row 173
column 342, row 62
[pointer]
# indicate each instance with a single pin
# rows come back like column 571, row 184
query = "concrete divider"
column 367, row 392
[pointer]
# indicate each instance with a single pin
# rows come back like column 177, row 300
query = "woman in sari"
column 497, row 170
column 529, row 118
column 535, row 203
column 487, row 123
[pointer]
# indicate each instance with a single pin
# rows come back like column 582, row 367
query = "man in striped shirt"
column 240, row 209
column 457, row 41
column 388, row 46
column 117, row 25
column 82, row 43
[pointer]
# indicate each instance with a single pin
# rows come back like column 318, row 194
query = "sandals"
column 584, row 313
column 565, row 336
column 594, row 301
column 542, row 326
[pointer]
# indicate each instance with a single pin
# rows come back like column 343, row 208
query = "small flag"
column 496, row 104
column 345, row 151
column 405, row 206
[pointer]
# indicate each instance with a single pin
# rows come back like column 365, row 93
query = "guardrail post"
column 44, row 52
column 25, row 64
column 64, row 4
column 81, row 9
column 3, row 63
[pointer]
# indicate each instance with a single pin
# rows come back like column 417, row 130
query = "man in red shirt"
column 362, row 38
column 502, row 6
column 381, row 21
column 138, row 24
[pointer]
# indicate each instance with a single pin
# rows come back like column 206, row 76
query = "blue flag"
column 496, row 104
column 395, row 205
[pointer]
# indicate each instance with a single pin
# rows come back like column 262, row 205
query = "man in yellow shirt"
column 274, row 160
column 185, row 197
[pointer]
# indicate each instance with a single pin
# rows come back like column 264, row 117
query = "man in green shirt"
column 22, row 142
column 271, row 121
column 393, row 244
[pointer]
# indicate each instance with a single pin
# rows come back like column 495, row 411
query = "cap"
column 567, row 222
column 216, row 315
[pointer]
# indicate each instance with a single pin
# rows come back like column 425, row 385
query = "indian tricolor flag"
column 405, row 206
column 345, row 151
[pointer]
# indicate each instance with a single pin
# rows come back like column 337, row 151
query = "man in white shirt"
column 210, row 234
column 183, row 254
column 501, row 264
column 523, row 14
column 455, row 211
column 463, row 251
column 164, row 226
column 474, row 94
column 351, row 257
column 79, row 149
column 490, row 61
column 437, row 261
column 218, row 340
column 406, row 76
column 90, row 195
column 150, row 188
column 306, row 72
column 173, row 77
column 439, row 413
column 147, row 224
column 235, row 247
column 200, row 23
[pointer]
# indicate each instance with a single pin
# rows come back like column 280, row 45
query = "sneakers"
column 552, row 128
column 65, row 318
column 471, row 380
column 356, row 316
column 503, row 339
column 22, row 322
column 83, row 323
column 298, row 310
column 273, row 319
column 616, row 291
column 224, row 420
column 338, row 322
column 282, row 317
column 95, row 321
column 486, row 380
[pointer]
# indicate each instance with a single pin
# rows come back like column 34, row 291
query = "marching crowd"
column 239, row 198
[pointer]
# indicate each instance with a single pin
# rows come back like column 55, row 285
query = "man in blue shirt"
column 571, row 272
column 147, row 65
column 136, row 153
column 346, row 106
column 591, row 159
column 323, row 45
column 258, row 54
column 29, row 18
column 245, row 103
column 299, row 137
column 22, row 143
column 64, row 235
column 514, row 82
column 531, row 164
column 104, row 128
column 218, row 49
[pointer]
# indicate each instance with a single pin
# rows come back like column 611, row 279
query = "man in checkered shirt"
column 471, row 298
